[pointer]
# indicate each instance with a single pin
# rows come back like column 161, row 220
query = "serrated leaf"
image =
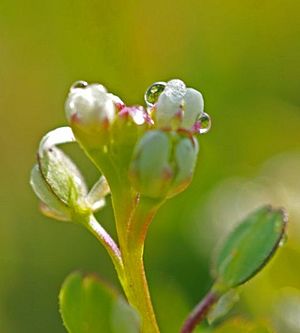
column 223, row 306
column 124, row 318
column 51, row 205
column 87, row 305
column 249, row 247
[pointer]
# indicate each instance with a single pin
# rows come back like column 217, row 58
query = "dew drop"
column 205, row 123
column 153, row 92
column 175, row 90
column 79, row 85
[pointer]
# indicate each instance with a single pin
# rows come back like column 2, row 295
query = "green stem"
column 132, row 221
column 136, row 289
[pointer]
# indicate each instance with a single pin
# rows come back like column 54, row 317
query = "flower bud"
column 186, row 152
column 150, row 171
column 178, row 106
column 62, row 176
column 168, row 107
column 163, row 163
column 51, row 205
column 90, row 106
column 193, row 105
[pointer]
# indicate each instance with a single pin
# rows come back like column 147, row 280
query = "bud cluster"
column 155, row 147
column 160, row 144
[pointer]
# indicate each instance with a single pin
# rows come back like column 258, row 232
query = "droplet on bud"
column 79, row 85
column 175, row 90
column 153, row 92
column 205, row 123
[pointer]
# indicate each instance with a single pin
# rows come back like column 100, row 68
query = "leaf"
column 223, row 306
column 124, row 318
column 249, row 247
column 87, row 305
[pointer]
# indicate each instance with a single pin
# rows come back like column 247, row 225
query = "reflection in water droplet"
column 205, row 123
column 153, row 92
column 79, row 85
column 175, row 90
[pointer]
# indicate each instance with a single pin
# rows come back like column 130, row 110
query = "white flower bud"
column 178, row 106
column 90, row 105
column 193, row 106
column 168, row 107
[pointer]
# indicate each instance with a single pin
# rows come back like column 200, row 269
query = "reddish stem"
column 199, row 313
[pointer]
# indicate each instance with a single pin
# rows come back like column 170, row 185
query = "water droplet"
column 79, row 85
column 175, row 90
column 205, row 123
column 153, row 92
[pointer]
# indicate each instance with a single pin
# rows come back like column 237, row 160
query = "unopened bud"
column 178, row 106
column 163, row 163
column 169, row 105
column 193, row 105
column 51, row 205
column 90, row 105
column 150, row 171
column 186, row 152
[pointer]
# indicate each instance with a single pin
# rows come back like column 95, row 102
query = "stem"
column 199, row 312
column 137, row 220
column 105, row 239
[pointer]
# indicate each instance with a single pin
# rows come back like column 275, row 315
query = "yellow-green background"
column 244, row 56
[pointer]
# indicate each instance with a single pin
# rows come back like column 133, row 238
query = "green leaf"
column 87, row 305
column 249, row 247
column 124, row 318
column 223, row 306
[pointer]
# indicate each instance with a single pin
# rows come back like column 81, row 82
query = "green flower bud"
column 150, row 171
column 90, row 106
column 57, row 181
column 163, row 163
column 186, row 152
column 51, row 205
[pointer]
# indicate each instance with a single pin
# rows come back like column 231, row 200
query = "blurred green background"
column 244, row 56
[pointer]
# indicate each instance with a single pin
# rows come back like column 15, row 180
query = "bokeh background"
column 244, row 56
